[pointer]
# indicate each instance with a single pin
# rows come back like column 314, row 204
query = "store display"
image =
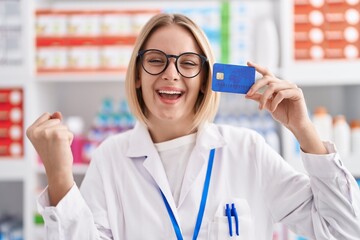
column 326, row 31
column 11, row 122
column 10, row 33
column 86, row 40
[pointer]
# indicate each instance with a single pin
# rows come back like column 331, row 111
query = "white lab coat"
column 120, row 196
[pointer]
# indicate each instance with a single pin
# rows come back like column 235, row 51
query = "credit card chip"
column 219, row 76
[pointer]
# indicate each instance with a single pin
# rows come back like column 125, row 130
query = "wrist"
column 309, row 139
column 58, row 186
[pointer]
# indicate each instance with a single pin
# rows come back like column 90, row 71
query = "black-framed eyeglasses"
column 155, row 62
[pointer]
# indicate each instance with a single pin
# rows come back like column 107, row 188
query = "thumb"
column 56, row 115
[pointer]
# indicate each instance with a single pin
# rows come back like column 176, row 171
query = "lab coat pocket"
column 219, row 228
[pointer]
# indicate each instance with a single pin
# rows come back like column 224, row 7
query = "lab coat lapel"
column 141, row 145
column 208, row 137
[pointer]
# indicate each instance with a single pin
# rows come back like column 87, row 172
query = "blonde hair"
column 208, row 101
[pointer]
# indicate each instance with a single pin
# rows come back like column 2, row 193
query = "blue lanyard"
column 202, row 203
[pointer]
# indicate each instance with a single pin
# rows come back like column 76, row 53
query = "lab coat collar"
column 141, row 145
column 208, row 137
column 140, row 142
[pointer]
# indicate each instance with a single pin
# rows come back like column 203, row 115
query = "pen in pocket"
column 231, row 212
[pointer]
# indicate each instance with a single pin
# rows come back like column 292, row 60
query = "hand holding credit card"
column 232, row 78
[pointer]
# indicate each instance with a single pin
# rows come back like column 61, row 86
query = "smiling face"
column 169, row 97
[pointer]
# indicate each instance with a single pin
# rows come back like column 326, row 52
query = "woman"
column 176, row 175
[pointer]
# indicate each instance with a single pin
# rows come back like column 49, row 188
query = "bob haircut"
column 207, row 102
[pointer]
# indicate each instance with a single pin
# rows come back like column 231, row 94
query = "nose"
column 171, row 73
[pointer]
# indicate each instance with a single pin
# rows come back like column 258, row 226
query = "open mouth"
column 170, row 94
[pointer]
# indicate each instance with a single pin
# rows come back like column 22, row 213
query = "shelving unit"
column 331, row 83
column 12, row 170
column 326, row 81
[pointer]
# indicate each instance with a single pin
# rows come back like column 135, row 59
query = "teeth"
column 169, row 92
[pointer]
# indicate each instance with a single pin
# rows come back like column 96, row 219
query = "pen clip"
column 234, row 213
column 228, row 214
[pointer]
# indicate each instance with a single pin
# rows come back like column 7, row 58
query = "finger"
column 261, row 83
column 57, row 115
column 260, row 69
column 54, row 134
column 49, row 123
column 272, row 90
column 44, row 117
column 292, row 93
column 49, row 129
column 256, row 97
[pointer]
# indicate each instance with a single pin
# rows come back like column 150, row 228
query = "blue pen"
column 228, row 214
column 234, row 213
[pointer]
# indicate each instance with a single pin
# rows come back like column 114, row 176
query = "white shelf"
column 12, row 169
column 322, row 73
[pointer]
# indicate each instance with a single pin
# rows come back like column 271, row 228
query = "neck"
column 168, row 130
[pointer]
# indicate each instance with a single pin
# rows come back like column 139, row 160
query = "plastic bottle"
column 341, row 134
column 323, row 123
column 267, row 43
column 355, row 137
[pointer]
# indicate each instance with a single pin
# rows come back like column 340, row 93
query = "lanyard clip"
column 231, row 212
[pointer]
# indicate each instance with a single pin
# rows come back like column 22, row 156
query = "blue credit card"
column 232, row 78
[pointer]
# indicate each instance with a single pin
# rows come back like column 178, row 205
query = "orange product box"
column 115, row 57
column 10, row 148
column 11, row 114
column 12, row 97
column 52, row 58
column 116, row 24
column 84, row 57
column 14, row 132
column 51, row 23
column 84, row 23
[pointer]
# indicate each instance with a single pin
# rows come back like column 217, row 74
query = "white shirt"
column 120, row 196
column 174, row 155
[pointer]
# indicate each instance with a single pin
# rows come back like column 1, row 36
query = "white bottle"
column 355, row 137
column 323, row 123
column 267, row 43
column 341, row 135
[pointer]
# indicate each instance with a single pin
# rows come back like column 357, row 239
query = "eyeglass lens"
column 188, row 64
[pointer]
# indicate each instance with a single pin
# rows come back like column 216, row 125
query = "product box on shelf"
column 11, row 122
column 320, row 41
column 78, row 41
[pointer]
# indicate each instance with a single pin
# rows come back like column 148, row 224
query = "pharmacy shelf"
column 325, row 73
column 12, row 169
column 81, row 77
column 322, row 72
